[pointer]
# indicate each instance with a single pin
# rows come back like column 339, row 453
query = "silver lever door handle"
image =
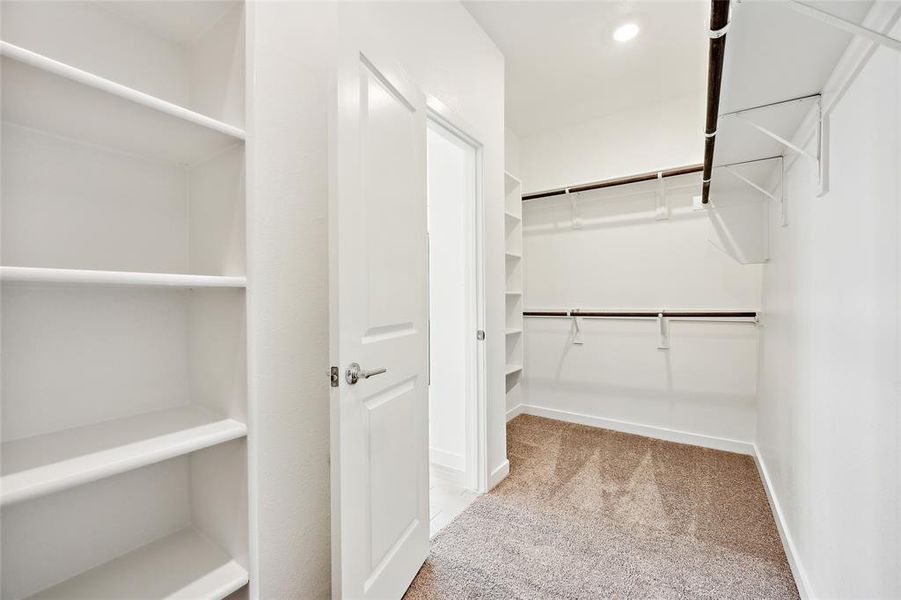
column 355, row 373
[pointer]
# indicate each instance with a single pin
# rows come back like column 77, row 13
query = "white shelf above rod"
column 50, row 65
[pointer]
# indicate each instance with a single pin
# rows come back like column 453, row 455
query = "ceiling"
column 181, row 21
column 563, row 66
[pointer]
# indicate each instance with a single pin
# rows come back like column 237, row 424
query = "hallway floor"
column 446, row 500
column 593, row 513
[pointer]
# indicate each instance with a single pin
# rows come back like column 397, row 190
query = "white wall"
column 828, row 424
column 622, row 258
column 444, row 50
column 703, row 388
column 287, row 160
column 648, row 137
column 511, row 152
column 451, row 186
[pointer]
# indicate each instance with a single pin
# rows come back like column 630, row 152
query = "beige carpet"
column 592, row 513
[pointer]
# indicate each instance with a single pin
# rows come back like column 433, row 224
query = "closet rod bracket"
column 662, row 211
column 663, row 327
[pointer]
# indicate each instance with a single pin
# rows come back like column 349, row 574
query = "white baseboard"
column 651, row 431
column 514, row 412
column 499, row 474
column 791, row 552
column 455, row 476
column 447, row 460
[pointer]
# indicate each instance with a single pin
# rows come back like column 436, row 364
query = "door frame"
column 476, row 409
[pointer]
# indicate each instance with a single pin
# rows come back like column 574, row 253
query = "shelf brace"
column 822, row 132
column 738, row 175
column 777, row 137
column 822, row 151
column 663, row 326
column 838, row 22
column 577, row 329
column 783, row 206
column 574, row 207
column 662, row 212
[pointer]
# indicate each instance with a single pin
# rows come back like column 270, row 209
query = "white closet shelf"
column 513, row 369
column 511, row 217
column 124, row 278
column 47, row 95
column 771, row 83
column 511, row 182
column 513, row 331
column 512, row 293
column 181, row 566
column 513, row 255
column 48, row 463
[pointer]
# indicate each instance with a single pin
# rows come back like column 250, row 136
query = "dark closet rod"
column 719, row 22
column 615, row 182
column 721, row 314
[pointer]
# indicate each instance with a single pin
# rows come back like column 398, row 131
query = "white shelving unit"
column 124, row 461
column 513, row 257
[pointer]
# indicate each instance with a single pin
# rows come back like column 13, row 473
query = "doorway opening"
column 456, row 307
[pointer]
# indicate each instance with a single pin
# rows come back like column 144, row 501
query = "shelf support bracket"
column 777, row 137
column 839, row 23
column 738, row 175
column 822, row 133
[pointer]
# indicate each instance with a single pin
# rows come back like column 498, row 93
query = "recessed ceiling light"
column 626, row 32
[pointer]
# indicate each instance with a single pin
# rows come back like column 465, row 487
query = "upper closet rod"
column 719, row 24
column 597, row 185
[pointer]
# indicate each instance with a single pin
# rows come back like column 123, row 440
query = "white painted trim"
column 499, row 474
column 794, row 558
column 448, row 460
column 652, row 431
column 448, row 474
column 476, row 459
column 515, row 412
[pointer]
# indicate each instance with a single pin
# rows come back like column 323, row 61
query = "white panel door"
column 379, row 305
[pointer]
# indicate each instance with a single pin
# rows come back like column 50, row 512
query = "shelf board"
column 513, row 331
column 47, row 95
column 513, row 255
column 511, row 217
column 512, row 293
column 181, row 566
column 48, row 463
column 124, row 278
column 513, row 369
column 511, row 183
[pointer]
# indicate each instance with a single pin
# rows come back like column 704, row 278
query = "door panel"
column 380, row 300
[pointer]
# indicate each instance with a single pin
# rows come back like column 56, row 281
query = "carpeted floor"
column 592, row 513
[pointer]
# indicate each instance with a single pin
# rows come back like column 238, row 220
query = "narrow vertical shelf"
column 513, row 264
